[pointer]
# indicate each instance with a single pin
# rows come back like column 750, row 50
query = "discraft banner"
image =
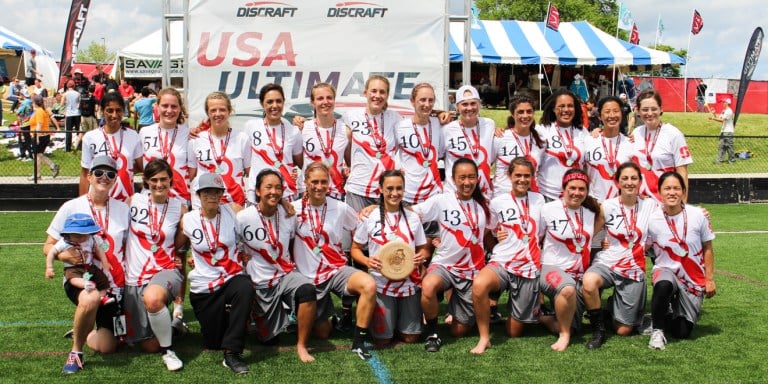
column 237, row 47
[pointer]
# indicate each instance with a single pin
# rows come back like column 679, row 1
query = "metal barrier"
column 17, row 158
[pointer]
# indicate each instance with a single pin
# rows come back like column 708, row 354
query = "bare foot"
column 562, row 343
column 481, row 346
column 304, row 355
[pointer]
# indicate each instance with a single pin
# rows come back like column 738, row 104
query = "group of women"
column 324, row 190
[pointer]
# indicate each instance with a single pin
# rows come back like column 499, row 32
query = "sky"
column 718, row 51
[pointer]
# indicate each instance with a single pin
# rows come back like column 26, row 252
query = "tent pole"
column 685, row 74
column 613, row 78
column 466, row 70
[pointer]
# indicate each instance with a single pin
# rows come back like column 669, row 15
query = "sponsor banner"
column 750, row 62
column 237, row 47
column 78, row 15
column 140, row 68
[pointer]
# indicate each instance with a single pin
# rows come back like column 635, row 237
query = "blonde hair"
column 377, row 77
column 216, row 95
column 322, row 85
column 418, row 87
column 182, row 107
column 316, row 166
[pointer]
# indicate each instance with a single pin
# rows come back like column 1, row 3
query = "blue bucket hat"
column 81, row 224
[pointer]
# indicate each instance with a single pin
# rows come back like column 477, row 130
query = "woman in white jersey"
column 622, row 263
column 515, row 263
column 684, row 269
column 266, row 231
column 519, row 139
column 569, row 223
column 168, row 140
column 152, row 279
column 398, row 305
column 275, row 143
column 219, row 290
column 561, row 127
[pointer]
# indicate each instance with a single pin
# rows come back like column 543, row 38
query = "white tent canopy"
column 143, row 58
column 11, row 42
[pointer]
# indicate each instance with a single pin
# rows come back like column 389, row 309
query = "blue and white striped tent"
column 528, row 42
column 12, row 41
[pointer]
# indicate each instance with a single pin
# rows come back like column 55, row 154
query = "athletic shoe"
column 235, row 362
column 343, row 323
column 32, row 178
column 433, row 343
column 646, row 325
column 106, row 300
column 55, row 169
column 69, row 334
column 658, row 341
column 74, row 363
column 179, row 326
column 172, row 362
column 496, row 317
column 361, row 350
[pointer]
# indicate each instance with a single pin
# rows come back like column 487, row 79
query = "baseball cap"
column 81, row 224
column 622, row 95
column 104, row 161
column 78, row 70
column 727, row 100
column 462, row 96
column 210, row 180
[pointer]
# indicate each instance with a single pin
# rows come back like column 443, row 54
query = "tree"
column 601, row 13
column 95, row 53
column 671, row 70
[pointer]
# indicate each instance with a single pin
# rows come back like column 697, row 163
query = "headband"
column 575, row 176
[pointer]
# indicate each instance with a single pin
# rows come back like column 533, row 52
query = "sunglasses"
column 99, row 173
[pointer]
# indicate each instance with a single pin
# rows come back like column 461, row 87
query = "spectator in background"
column 626, row 114
column 72, row 113
column 701, row 94
column 40, row 123
column 100, row 76
column 24, row 113
column 110, row 85
column 38, row 89
column 81, row 82
column 579, row 87
column 31, row 72
column 88, row 108
column 14, row 94
column 5, row 91
column 726, row 133
column 143, row 107
column 127, row 92
column 97, row 90
column 593, row 115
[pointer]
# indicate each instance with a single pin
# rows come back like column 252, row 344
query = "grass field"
column 728, row 344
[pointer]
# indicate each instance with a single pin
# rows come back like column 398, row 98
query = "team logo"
column 357, row 9
column 266, row 9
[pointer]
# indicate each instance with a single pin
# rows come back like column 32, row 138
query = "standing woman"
column 622, row 264
column 152, row 279
column 168, row 140
column 39, row 124
column 221, row 150
column 560, row 126
column 398, row 306
column 117, row 141
column 275, row 143
column 219, row 291
column 684, row 270
column 519, row 139
column 662, row 147
column 515, row 263
column 568, row 223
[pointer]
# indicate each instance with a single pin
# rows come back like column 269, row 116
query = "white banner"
column 238, row 47
column 150, row 69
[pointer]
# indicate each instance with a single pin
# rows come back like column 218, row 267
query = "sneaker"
column 179, row 326
column 69, row 334
column 106, row 300
column 646, row 325
column 55, row 169
column 172, row 362
column 74, row 363
column 32, row 178
column 343, row 323
column 658, row 341
column 235, row 362
column 433, row 343
column 361, row 350
column 496, row 317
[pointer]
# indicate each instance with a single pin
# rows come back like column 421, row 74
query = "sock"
column 595, row 316
column 431, row 327
column 360, row 334
column 160, row 322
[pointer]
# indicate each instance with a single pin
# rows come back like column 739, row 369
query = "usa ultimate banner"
column 750, row 62
column 78, row 13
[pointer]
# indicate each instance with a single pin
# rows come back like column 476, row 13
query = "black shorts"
column 42, row 143
column 105, row 313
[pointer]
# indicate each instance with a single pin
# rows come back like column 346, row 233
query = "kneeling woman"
column 684, row 270
column 220, row 292
column 398, row 305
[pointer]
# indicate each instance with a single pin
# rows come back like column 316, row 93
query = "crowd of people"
column 273, row 217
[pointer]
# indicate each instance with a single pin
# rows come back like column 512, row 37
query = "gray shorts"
column 685, row 303
column 460, row 304
column 552, row 280
column 628, row 300
column 135, row 312
column 396, row 313
column 336, row 284
column 269, row 312
column 358, row 202
column 524, row 303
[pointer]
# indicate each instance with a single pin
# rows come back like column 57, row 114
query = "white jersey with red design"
column 506, row 148
column 462, row 225
column 373, row 147
column 519, row 253
column 564, row 150
column 227, row 159
column 114, row 223
column 567, row 237
column 657, row 152
column 319, row 230
column 406, row 228
column 603, row 156
column 150, row 245
column 419, row 148
column 627, row 231
column 474, row 143
column 171, row 145
column 214, row 248
column 266, row 240
column 124, row 146
column 681, row 251
column 273, row 147
column 326, row 145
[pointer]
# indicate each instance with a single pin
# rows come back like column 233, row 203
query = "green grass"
column 728, row 344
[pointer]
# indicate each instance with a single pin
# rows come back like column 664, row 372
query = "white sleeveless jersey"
column 519, row 253
column 146, row 255
column 506, row 148
column 419, row 148
column 474, row 143
column 123, row 146
column 270, row 260
column 326, row 146
column 231, row 164
column 626, row 226
column 564, row 150
column 116, row 225
column 658, row 152
column 462, row 225
column 273, row 148
column 373, row 149
column 602, row 157
column 214, row 267
column 406, row 228
column 566, row 246
column 170, row 145
column 317, row 246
